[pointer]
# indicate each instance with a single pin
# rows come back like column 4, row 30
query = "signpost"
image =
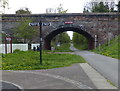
column 40, row 28
column 68, row 22
column 40, row 24
column 34, row 24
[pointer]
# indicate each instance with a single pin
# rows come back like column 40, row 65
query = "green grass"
column 63, row 48
column 111, row 50
column 80, row 46
column 111, row 82
column 29, row 60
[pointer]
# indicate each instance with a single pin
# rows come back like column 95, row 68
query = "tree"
column 96, row 6
column 100, row 8
column 80, row 41
column 50, row 10
column 118, row 6
column 85, row 10
column 3, row 4
column 64, row 38
column 60, row 9
column 24, row 31
column 23, row 11
column 61, row 38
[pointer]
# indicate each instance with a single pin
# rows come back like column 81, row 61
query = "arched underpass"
column 48, row 38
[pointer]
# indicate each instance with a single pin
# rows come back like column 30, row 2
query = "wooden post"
column 11, row 45
column 5, row 46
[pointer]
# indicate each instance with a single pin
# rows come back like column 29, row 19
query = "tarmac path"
column 107, row 66
column 72, row 77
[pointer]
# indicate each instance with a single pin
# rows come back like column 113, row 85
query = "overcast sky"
column 39, row 6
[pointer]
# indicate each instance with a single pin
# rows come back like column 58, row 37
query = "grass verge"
column 111, row 82
column 63, row 48
column 112, row 50
column 81, row 47
column 29, row 60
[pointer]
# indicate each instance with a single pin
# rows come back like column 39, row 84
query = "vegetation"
column 111, row 50
column 118, row 6
column 63, row 48
column 24, row 31
column 4, row 4
column 100, row 7
column 59, row 9
column 63, row 40
column 29, row 60
column 23, row 11
column 111, row 83
column 79, row 41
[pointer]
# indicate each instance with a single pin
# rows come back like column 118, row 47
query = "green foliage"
column 100, row 8
column 64, row 38
column 23, row 11
column 63, row 48
column 17, row 51
column 80, row 41
column 29, row 60
column 118, row 6
column 111, row 50
column 24, row 31
column 60, row 38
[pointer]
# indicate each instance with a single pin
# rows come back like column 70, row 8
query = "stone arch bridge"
column 98, row 28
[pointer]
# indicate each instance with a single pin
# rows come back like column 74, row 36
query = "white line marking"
column 76, row 83
column 98, row 80
column 13, row 84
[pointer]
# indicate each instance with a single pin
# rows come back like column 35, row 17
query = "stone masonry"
column 102, row 25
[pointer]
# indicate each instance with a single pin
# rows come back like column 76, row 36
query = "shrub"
column 16, row 51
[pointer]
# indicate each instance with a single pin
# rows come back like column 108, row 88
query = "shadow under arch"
column 49, row 37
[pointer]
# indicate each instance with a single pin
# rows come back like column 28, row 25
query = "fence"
column 23, row 47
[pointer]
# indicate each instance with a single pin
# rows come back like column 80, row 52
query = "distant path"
column 107, row 66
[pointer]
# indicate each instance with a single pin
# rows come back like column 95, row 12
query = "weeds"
column 29, row 60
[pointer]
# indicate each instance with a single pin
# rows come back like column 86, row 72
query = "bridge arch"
column 51, row 35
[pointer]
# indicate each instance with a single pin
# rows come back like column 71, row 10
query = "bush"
column 17, row 51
